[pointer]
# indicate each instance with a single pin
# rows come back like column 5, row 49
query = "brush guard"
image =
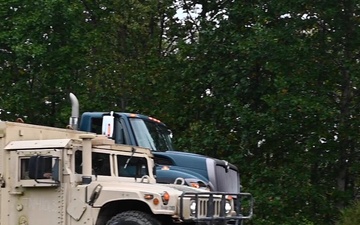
column 210, row 207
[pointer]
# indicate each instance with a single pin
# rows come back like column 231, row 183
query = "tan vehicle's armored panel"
column 38, row 144
column 20, row 131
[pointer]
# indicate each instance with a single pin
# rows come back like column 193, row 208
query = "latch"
column 2, row 181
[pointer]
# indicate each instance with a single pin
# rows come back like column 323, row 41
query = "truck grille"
column 227, row 179
column 223, row 176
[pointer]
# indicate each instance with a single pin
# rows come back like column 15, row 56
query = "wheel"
column 133, row 218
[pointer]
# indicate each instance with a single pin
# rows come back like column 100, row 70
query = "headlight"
column 228, row 207
column 165, row 198
column 193, row 208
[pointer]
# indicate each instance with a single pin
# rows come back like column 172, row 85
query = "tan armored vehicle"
column 51, row 176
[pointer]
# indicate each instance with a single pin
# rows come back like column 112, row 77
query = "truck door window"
column 119, row 135
column 100, row 163
column 46, row 173
column 136, row 167
column 96, row 124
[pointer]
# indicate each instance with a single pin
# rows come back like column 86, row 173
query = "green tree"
column 41, row 57
column 99, row 51
column 273, row 87
column 350, row 215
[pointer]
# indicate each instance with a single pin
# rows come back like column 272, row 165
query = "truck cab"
column 171, row 166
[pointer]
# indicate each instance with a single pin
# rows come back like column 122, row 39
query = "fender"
column 170, row 176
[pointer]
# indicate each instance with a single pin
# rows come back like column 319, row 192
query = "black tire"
column 133, row 218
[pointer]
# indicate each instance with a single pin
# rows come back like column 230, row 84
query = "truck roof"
column 86, row 116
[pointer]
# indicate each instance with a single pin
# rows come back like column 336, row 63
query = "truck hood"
column 183, row 159
column 197, row 163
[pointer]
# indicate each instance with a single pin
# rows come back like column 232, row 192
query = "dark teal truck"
column 188, row 168
column 171, row 166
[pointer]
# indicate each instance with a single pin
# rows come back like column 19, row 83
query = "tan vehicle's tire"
column 133, row 218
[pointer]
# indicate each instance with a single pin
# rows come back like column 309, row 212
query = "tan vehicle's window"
column 24, row 169
column 100, row 163
column 132, row 167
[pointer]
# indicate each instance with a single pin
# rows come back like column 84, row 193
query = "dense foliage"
column 350, row 215
column 272, row 86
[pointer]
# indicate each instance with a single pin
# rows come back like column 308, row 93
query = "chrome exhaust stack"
column 73, row 121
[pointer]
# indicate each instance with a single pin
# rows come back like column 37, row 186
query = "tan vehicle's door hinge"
column 2, row 181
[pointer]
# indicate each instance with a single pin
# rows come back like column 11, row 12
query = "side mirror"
column 44, row 167
column 108, row 125
column 170, row 133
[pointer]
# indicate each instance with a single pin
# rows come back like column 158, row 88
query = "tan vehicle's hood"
column 184, row 188
column 137, row 187
column 136, row 191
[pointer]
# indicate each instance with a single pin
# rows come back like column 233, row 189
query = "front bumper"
column 210, row 207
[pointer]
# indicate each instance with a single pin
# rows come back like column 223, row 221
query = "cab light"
column 165, row 198
column 153, row 119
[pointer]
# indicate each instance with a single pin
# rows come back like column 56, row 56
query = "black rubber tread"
column 133, row 218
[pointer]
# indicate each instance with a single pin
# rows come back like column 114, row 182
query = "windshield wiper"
column 128, row 160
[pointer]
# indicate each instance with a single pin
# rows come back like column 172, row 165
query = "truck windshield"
column 152, row 135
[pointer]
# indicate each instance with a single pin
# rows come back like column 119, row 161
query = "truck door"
column 36, row 195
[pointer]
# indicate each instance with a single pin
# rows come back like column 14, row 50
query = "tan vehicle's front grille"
column 203, row 208
column 210, row 206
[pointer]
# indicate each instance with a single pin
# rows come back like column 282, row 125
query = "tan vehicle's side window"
column 100, row 163
column 24, row 169
column 132, row 167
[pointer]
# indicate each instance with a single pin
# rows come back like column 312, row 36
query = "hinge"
column 2, row 181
